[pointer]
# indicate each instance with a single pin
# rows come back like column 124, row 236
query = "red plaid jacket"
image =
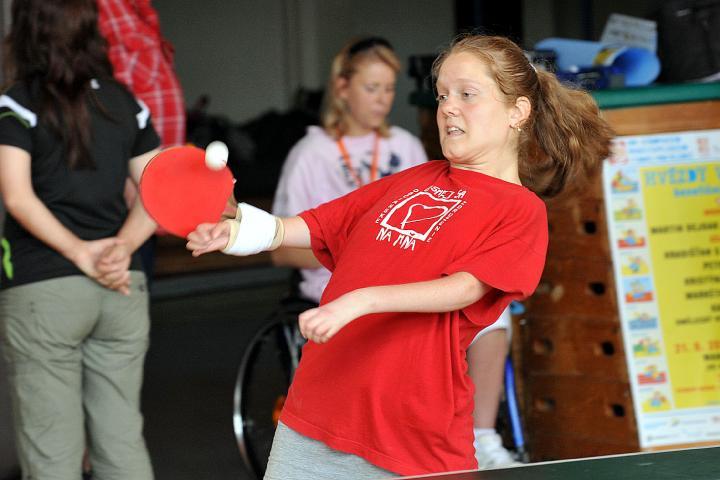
column 143, row 61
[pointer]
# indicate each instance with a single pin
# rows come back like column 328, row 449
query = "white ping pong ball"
column 216, row 155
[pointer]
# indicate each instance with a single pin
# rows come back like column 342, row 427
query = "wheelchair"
column 266, row 371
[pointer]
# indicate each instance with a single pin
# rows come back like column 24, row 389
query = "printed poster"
column 662, row 195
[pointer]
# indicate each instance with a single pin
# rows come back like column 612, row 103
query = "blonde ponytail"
column 567, row 138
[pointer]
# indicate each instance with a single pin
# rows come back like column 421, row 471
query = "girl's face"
column 473, row 119
column 368, row 94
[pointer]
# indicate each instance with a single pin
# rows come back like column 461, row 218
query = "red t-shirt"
column 393, row 387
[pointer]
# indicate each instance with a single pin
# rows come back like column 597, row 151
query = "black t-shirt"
column 90, row 203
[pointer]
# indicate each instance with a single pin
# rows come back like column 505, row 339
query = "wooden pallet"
column 568, row 347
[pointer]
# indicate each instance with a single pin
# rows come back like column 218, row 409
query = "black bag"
column 689, row 39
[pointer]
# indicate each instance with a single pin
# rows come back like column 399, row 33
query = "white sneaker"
column 490, row 453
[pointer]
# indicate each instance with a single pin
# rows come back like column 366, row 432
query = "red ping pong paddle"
column 180, row 192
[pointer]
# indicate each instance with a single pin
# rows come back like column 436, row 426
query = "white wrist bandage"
column 253, row 231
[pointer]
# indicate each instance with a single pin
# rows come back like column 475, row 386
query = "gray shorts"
column 296, row 457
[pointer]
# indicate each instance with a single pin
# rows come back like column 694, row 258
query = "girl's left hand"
column 322, row 323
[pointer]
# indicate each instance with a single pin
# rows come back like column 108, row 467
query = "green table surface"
column 690, row 464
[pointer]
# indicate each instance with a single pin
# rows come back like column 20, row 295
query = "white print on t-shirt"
column 417, row 216
column 439, row 192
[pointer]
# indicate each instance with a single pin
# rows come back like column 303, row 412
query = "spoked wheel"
column 264, row 377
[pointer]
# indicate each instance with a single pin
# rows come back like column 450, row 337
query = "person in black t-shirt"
column 74, row 316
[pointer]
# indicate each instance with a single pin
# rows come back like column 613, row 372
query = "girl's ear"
column 341, row 84
column 520, row 112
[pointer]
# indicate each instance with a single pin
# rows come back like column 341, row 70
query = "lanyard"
column 348, row 164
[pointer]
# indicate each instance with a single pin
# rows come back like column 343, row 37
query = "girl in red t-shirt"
column 422, row 261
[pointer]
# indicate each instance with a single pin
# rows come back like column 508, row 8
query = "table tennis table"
column 689, row 464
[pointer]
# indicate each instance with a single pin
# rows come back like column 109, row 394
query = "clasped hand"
column 107, row 261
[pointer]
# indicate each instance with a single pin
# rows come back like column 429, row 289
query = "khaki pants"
column 75, row 354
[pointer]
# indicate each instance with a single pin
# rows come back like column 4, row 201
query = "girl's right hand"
column 208, row 237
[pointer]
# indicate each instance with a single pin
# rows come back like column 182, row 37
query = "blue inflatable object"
column 638, row 65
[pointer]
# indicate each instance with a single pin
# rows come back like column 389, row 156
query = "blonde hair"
column 345, row 65
column 565, row 137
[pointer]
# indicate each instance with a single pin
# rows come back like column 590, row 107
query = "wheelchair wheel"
column 263, row 380
column 264, row 376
